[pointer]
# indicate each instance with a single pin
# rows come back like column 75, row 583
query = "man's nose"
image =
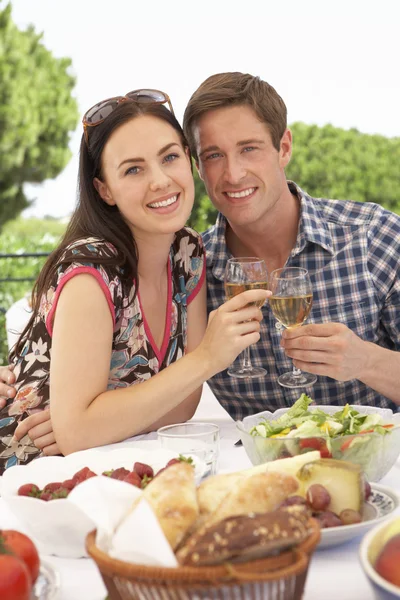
column 234, row 171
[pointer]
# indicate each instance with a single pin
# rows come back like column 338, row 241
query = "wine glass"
column 248, row 273
column 291, row 303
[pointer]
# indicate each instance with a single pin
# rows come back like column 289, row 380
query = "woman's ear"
column 103, row 191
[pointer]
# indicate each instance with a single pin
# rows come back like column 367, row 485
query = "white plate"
column 59, row 527
column 47, row 584
column 380, row 505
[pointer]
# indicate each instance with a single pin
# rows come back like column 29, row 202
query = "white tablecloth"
column 334, row 573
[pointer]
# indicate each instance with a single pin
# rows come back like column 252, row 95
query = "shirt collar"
column 312, row 229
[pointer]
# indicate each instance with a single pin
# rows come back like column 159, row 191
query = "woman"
column 118, row 337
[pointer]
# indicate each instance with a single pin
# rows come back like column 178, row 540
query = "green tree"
column 204, row 212
column 37, row 114
column 331, row 162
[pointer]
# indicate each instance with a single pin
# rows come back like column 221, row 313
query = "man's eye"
column 132, row 171
column 212, row 156
column 171, row 157
column 248, row 148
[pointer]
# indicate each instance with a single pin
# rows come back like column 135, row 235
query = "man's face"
column 243, row 172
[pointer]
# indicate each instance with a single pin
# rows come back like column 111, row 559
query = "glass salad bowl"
column 365, row 435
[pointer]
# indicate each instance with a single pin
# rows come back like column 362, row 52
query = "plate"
column 381, row 504
column 59, row 527
column 47, row 584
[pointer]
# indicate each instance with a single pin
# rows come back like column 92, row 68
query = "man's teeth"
column 164, row 202
column 241, row 194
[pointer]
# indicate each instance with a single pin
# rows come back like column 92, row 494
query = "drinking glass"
column 198, row 439
column 246, row 273
column 291, row 303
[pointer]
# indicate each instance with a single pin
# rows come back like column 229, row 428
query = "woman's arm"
column 83, row 413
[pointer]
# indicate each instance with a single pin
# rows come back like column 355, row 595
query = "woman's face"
column 146, row 173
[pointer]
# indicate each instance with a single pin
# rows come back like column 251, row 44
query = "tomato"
column 22, row 546
column 315, row 444
column 15, row 580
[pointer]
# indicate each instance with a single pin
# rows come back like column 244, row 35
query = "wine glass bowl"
column 241, row 274
column 291, row 304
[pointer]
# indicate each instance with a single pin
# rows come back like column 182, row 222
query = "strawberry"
column 52, row 487
column 46, row 496
column 29, row 489
column 133, row 478
column 82, row 475
column 68, row 484
column 120, row 473
column 142, row 469
column 173, row 461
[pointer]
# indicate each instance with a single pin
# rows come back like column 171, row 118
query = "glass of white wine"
column 291, row 303
column 241, row 274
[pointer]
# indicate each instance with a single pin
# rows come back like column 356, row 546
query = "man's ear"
column 103, row 191
column 199, row 170
column 285, row 152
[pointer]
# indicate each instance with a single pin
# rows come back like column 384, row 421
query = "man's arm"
column 333, row 350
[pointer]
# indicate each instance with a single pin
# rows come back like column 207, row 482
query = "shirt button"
column 279, row 326
column 293, row 253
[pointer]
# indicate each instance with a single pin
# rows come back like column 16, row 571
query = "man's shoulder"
column 352, row 212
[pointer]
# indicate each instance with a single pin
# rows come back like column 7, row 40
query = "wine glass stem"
column 297, row 372
column 246, row 364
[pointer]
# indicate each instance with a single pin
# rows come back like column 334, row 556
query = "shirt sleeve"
column 76, row 260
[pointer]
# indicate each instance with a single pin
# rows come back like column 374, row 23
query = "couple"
column 139, row 301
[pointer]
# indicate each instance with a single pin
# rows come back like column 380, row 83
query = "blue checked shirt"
column 352, row 253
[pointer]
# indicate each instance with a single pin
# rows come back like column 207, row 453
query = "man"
column 237, row 129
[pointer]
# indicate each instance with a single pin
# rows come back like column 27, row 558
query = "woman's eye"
column 171, row 157
column 132, row 171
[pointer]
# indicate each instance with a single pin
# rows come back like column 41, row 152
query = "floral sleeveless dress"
column 135, row 356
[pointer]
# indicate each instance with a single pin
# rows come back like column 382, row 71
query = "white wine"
column 291, row 311
column 233, row 289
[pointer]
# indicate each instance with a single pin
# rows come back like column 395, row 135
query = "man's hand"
column 329, row 349
column 7, row 378
column 40, row 430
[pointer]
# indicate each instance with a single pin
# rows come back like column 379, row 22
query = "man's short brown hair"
column 231, row 89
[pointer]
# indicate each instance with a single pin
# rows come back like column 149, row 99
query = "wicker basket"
column 280, row 577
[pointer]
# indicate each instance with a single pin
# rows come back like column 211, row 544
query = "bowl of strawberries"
column 38, row 493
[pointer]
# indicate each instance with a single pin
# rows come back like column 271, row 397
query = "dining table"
column 334, row 573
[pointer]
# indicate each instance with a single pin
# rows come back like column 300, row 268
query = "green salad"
column 319, row 430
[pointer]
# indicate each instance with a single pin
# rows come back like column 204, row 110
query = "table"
column 334, row 573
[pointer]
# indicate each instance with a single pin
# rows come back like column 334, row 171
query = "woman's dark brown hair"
column 92, row 216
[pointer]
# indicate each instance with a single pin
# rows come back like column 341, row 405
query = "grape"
column 348, row 516
column 318, row 497
column 367, row 490
column 291, row 500
column 328, row 519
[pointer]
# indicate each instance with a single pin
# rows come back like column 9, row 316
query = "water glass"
column 200, row 440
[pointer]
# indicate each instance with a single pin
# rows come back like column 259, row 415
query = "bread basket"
column 280, row 577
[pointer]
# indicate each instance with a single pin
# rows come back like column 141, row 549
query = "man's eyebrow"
column 241, row 143
column 138, row 159
column 251, row 141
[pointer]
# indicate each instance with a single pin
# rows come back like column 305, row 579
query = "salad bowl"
column 365, row 435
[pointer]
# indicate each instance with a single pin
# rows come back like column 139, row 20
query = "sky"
column 332, row 61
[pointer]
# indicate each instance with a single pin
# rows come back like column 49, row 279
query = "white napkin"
column 132, row 535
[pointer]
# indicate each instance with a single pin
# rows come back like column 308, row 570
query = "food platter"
column 381, row 504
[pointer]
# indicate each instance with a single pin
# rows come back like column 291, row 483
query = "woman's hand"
column 7, row 379
column 231, row 328
column 40, row 430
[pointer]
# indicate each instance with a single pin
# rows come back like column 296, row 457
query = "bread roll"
column 245, row 537
column 172, row 496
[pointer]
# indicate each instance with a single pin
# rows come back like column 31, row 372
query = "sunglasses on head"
column 100, row 111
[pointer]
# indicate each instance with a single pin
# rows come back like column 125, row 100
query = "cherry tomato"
column 315, row 444
column 21, row 546
column 15, row 580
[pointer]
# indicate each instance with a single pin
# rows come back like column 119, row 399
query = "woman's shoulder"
column 189, row 240
column 90, row 247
